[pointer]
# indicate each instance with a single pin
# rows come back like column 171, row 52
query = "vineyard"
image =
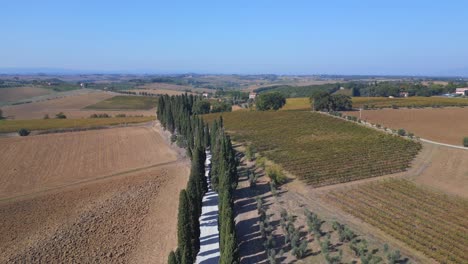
column 319, row 149
column 430, row 222
column 416, row 101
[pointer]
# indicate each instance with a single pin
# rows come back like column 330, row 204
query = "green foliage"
column 46, row 116
column 250, row 153
column 320, row 149
column 276, row 175
column 270, row 101
column 201, row 107
column 23, row 132
column 1, row 114
column 126, row 102
column 172, row 258
column 323, row 101
column 100, row 116
column 393, row 257
column 401, row 132
column 465, row 142
column 218, row 107
column 261, row 163
column 252, row 179
column 60, row 115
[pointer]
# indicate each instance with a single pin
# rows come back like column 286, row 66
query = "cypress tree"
column 172, row 258
column 184, row 228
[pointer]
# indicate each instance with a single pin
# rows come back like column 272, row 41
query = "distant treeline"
column 176, row 114
column 370, row 89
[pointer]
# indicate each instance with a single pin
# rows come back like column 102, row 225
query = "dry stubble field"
column 19, row 93
column 81, row 216
column 35, row 163
column 446, row 125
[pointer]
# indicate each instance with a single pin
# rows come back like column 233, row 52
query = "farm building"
column 461, row 91
column 404, row 94
column 252, row 95
column 205, row 95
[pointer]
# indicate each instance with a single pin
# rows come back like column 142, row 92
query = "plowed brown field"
column 446, row 125
column 90, row 197
column 36, row 163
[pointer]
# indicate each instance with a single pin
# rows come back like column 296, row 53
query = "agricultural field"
column 93, row 196
column 173, row 87
column 20, row 93
column 39, row 162
column 446, row 125
column 415, row 101
column 299, row 103
column 303, row 103
column 319, row 149
column 158, row 91
column 121, row 102
column 425, row 220
column 82, row 123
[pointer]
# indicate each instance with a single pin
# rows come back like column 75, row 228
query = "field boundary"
column 443, row 144
column 85, row 181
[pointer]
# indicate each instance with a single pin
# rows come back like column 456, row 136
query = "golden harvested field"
column 300, row 103
column 127, row 216
column 428, row 221
column 19, row 93
column 446, row 125
column 37, row 163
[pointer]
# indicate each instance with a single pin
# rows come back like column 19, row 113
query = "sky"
column 242, row 37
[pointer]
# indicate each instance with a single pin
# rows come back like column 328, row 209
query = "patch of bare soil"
column 124, row 219
column 38, row 163
column 445, row 169
column 159, row 91
column 19, row 93
column 174, row 87
column 447, row 125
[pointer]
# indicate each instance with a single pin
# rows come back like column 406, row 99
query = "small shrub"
column 261, row 162
column 465, row 142
column 252, row 179
column 23, row 132
column 120, row 115
column 275, row 173
column 401, row 132
column 46, row 116
column 394, row 106
column 250, row 153
column 60, row 115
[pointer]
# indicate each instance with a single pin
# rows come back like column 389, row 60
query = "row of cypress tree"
column 224, row 181
column 176, row 115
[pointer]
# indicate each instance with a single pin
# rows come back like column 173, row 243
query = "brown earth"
column 447, row 125
column 70, row 105
column 117, row 218
column 159, row 91
column 37, row 163
column 19, row 93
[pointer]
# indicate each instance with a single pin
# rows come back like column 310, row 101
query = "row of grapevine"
column 320, row 149
column 428, row 221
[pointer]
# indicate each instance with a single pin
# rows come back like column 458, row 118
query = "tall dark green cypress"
column 184, row 229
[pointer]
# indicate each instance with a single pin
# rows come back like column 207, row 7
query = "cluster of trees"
column 270, row 101
column 177, row 114
column 323, row 101
column 366, row 88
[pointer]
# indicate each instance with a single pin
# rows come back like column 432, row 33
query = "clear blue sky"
column 283, row 37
